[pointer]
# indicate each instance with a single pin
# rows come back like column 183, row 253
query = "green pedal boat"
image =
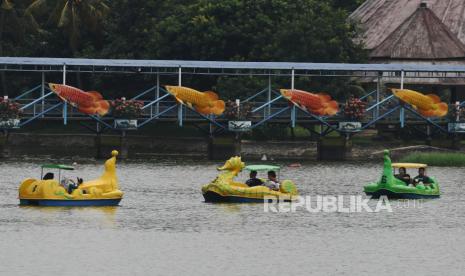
column 393, row 187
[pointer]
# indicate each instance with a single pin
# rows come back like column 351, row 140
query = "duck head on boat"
column 394, row 187
column 225, row 189
column 48, row 191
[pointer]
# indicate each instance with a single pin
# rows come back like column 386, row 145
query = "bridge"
column 269, row 106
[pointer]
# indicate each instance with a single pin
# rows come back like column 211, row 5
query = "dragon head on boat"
column 234, row 164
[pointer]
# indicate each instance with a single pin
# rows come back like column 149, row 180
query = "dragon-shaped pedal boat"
column 224, row 189
column 48, row 191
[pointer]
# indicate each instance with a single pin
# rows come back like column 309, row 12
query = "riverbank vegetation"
column 228, row 30
column 442, row 159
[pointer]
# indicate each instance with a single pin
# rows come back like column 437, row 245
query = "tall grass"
column 441, row 159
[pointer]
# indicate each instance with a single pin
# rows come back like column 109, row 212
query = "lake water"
column 163, row 227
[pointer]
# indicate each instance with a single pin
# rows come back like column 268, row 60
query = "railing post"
column 294, row 109
column 269, row 95
column 402, row 110
column 157, row 95
column 180, row 105
column 65, row 105
column 42, row 92
column 293, row 115
column 378, row 90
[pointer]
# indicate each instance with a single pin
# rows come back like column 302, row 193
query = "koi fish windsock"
column 203, row 102
column 427, row 105
column 90, row 102
column 319, row 104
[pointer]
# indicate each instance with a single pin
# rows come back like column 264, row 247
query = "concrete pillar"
column 124, row 151
column 429, row 139
column 334, row 148
column 4, row 152
column 223, row 148
column 98, row 146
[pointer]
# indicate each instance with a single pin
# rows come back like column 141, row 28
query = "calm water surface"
column 163, row 227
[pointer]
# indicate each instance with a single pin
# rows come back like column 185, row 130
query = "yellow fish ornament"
column 427, row 105
column 203, row 102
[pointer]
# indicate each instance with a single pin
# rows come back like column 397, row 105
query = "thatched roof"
column 420, row 36
column 380, row 18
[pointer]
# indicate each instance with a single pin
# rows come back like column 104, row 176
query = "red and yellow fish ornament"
column 319, row 104
column 90, row 103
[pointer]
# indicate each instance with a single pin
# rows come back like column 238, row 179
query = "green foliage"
column 73, row 17
column 252, row 30
column 442, row 159
column 230, row 30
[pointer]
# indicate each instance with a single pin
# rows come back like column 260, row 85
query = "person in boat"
column 48, row 176
column 403, row 175
column 422, row 178
column 69, row 185
column 254, row 181
column 272, row 181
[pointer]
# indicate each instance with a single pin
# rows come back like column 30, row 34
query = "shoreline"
column 64, row 145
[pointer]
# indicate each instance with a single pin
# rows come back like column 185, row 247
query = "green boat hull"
column 392, row 187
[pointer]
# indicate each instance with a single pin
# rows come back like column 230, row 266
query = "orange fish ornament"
column 90, row 102
column 319, row 104
column 203, row 102
column 427, row 105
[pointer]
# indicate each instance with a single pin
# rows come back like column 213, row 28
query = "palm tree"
column 73, row 17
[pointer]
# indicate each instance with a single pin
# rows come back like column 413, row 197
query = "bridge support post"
column 65, row 105
column 157, row 95
column 124, row 151
column 402, row 110
column 98, row 142
column 42, row 92
column 4, row 152
column 378, row 92
column 334, row 148
column 455, row 141
column 429, row 139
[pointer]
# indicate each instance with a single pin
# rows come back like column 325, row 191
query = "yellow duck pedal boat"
column 224, row 189
column 47, row 191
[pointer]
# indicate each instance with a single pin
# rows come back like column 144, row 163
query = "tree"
column 13, row 26
column 73, row 17
column 349, row 5
column 237, row 30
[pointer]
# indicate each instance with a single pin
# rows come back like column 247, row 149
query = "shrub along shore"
column 441, row 159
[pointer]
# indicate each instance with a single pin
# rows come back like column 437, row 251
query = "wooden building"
column 416, row 31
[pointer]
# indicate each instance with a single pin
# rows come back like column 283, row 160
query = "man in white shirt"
column 272, row 181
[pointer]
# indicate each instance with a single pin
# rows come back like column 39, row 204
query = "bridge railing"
column 268, row 105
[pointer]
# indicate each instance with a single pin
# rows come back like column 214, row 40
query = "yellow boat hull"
column 103, row 191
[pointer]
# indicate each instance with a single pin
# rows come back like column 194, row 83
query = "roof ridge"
column 424, row 19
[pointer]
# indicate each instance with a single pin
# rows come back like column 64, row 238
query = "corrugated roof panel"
column 413, row 67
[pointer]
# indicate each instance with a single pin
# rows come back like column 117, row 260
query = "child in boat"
column 272, row 182
column 403, row 175
column 422, row 177
column 253, row 181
